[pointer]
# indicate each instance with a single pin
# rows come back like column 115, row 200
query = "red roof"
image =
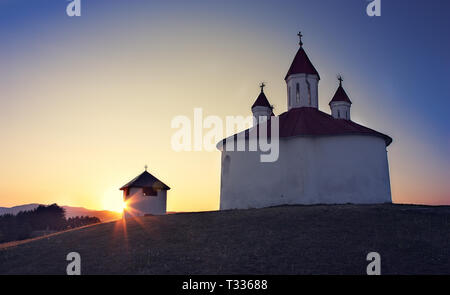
column 308, row 121
column 301, row 65
column 262, row 101
column 340, row 95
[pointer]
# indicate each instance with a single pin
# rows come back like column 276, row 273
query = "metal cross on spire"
column 339, row 77
column 300, row 39
column 262, row 86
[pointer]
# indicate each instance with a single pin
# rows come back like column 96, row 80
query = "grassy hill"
column 280, row 240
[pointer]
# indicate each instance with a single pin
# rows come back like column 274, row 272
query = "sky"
column 86, row 102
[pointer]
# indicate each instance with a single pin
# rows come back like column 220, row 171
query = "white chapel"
column 323, row 158
column 144, row 195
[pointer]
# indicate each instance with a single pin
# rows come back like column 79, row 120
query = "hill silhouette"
column 103, row 215
column 322, row 239
column 40, row 221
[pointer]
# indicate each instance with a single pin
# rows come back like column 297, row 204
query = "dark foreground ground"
column 280, row 240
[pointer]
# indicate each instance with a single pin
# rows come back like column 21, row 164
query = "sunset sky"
column 86, row 102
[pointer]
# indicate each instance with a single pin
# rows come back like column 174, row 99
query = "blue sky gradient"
column 396, row 67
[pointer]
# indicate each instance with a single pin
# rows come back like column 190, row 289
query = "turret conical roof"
column 301, row 65
column 340, row 95
column 262, row 101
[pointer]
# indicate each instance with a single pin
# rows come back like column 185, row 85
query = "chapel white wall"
column 308, row 91
column 310, row 170
column 340, row 110
column 261, row 113
column 139, row 205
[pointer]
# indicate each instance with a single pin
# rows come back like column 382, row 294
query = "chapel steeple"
column 302, row 81
column 261, row 108
column 340, row 103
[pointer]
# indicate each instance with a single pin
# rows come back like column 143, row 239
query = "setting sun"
column 113, row 201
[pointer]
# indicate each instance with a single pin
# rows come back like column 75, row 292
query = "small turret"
column 302, row 81
column 262, row 109
column 340, row 104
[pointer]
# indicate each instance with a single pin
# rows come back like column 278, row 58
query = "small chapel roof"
column 146, row 180
column 301, row 63
column 340, row 94
column 309, row 121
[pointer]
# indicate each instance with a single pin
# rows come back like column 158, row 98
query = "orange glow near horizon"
column 113, row 201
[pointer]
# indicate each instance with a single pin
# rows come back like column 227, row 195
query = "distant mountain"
column 103, row 215
column 16, row 209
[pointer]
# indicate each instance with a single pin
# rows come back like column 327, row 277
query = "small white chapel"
column 144, row 195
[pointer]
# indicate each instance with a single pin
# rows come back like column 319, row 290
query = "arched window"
column 297, row 92
column 309, row 91
column 339, row 114
column 346, row 115
column 289, row 95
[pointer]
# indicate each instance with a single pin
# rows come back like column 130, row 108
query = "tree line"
column 43, row 218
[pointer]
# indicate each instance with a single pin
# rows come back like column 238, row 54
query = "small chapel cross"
column 262, row 86
column 300, row 39
column 339, row 77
